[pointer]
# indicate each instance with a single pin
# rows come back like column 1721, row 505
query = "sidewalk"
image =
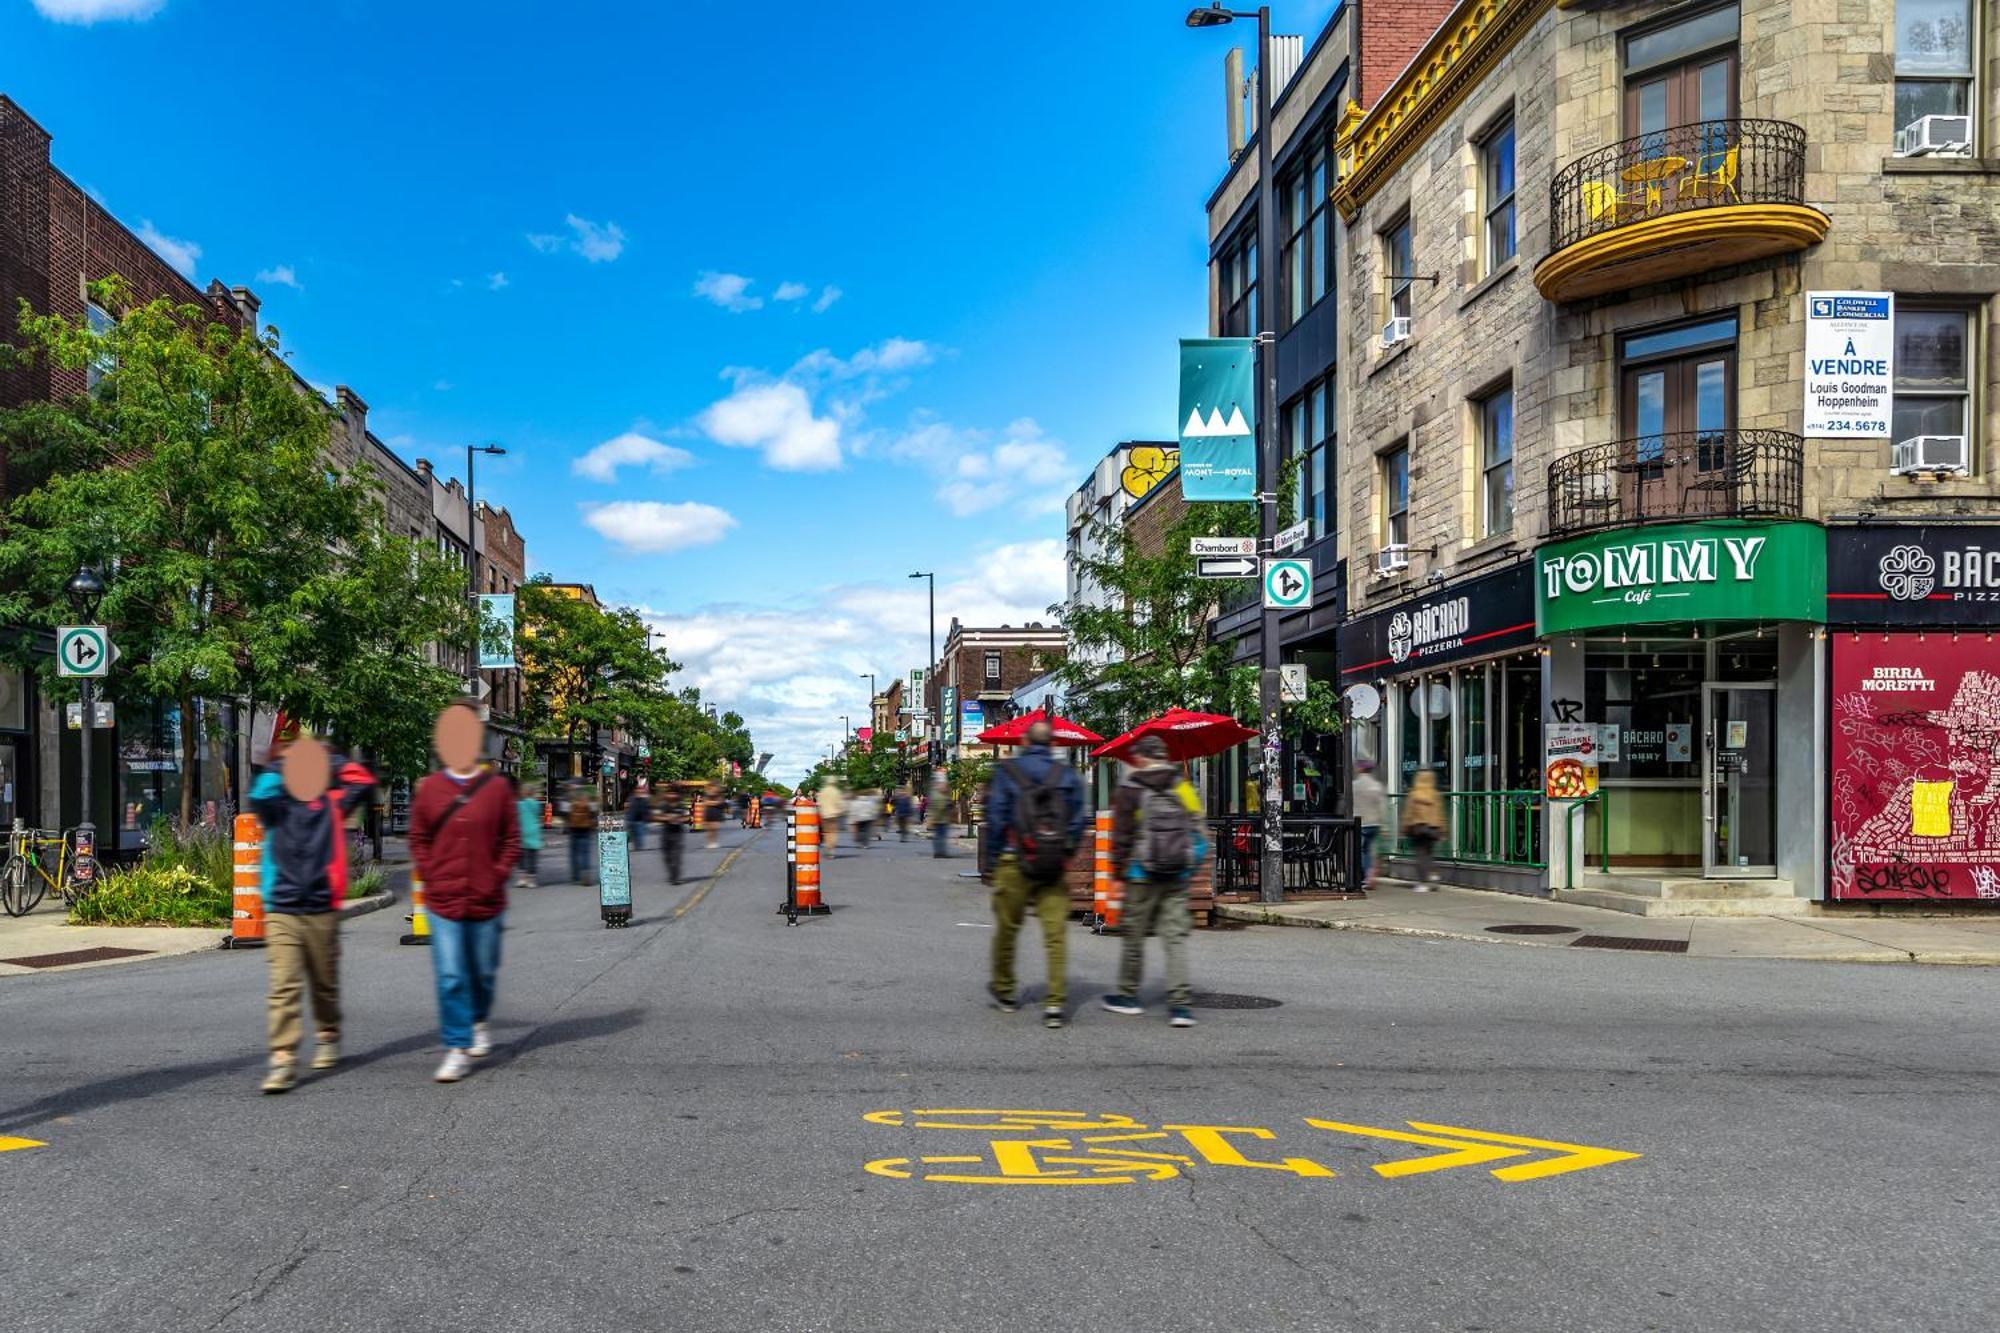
column 1471, row 914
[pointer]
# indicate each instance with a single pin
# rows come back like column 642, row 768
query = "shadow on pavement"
column 584, row 1027
column 125, row 1088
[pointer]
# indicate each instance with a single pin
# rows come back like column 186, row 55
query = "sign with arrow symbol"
column 1474, row 1147
column 1225, row 566
column 1288, row 585
column 83, row 650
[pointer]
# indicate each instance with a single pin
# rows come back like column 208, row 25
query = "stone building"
column 1657, row 318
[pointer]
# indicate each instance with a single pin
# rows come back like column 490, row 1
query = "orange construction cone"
column 246, row 919
column 1107, row 897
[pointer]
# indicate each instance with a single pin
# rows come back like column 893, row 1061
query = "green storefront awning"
column 1681, row 572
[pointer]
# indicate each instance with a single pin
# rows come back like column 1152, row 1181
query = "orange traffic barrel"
column 1106, row 897
column 246, row 919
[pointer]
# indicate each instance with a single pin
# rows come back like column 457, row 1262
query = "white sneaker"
column 457, row 1064
column 482, row 1041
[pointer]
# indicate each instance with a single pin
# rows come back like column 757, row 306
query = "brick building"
column 979, row 670
column 1587, row 480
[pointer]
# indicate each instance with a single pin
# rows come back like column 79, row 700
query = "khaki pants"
column 302, row 948
column 1013, row 894
column 1155, row 907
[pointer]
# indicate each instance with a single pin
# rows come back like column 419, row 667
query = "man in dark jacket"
column 1156, row 896
column 303, row 801
column 1014, row 887
column 465, row 836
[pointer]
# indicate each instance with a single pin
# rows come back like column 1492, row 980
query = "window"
column 1306, row 430
column 992, row 668
column 1496, row 454
column 1236, row 277
column 1396, row 267
column 1933, row 59
column 1933, row 389
column 101, row 322
column 1677, row 401
column 1682, row 74
column 1497, row 197
column 1396, row 496
column 1306, row 264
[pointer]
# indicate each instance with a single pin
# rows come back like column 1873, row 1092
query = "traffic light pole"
column 1271, row 865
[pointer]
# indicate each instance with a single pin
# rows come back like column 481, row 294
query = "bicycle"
column 25, row 879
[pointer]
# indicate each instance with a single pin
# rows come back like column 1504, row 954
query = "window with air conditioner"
column 1398, row 276
column 1930, row 424
column 1395, row 468
column 1936, row 98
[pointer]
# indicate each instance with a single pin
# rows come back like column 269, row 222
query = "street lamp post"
column 872, row 719
column 1271, row 865
column 86, row 590
column 472, row 539
column 930, row 666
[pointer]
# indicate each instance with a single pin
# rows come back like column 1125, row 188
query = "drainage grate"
column 1531, row 928
column 1208, row 999
column 1628, row 942
column 97, row 955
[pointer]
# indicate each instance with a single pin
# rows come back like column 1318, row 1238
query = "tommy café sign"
column 1684, row 572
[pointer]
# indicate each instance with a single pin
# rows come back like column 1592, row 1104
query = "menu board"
column 614, row 867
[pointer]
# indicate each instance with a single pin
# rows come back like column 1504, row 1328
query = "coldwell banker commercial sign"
column 1850, row 351
column 1681, row 573
column 1218, row 418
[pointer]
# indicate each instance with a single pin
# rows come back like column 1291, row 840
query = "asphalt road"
column 672, row 1135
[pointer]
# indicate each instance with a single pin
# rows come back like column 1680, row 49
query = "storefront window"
column 1410, row 751
column 1646, row 699
column 1474, row 766
column 149, row 769
column 1437, row 757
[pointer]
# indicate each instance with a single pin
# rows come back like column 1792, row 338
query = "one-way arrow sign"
column 1225, row 566
column 1473, row 1147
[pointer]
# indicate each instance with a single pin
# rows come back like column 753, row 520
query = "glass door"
column 1739, row 790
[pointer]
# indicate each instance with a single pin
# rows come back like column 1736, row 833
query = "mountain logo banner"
column 496, row 631
column 1218, row 419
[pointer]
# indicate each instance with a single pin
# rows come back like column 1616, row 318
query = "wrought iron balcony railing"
column 1677, row 477
column 1709, row 164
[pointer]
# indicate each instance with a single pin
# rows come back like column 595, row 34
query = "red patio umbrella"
column 1188, row 735
column 1014, row 731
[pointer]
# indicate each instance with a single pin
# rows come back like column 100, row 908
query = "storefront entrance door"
column 1739, row 789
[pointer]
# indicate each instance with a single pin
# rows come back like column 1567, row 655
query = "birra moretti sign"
column 1685, row 572
column 1850, row 364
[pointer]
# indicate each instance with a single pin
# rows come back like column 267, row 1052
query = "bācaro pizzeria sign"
column 1487, row 615
column 1898, row 574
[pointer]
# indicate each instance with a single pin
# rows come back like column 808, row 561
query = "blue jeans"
column 1368, row 832
column 579, row 855
column 940, row 840
column 465, row 956
column 637, row 828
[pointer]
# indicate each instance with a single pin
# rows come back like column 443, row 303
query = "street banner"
column 1850, row 364
column 496, row 631
column 1218, row 418
column 948, row 713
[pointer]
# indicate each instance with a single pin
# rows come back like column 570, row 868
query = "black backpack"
column 1041, row 822
column 1166, row 833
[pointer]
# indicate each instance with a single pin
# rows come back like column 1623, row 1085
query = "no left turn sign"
column 83, row 650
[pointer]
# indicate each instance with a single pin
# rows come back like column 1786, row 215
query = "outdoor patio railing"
column 1678, row 476
column 1708, row 164
column 1322, row 853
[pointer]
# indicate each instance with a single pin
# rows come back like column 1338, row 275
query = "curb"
column 374, row 902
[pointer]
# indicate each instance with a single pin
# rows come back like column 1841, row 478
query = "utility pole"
column 472, row 540
column 934, row 726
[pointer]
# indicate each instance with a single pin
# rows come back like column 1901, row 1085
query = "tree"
column 584, row 668
column 195, row 474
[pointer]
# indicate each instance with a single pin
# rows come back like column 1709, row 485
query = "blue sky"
column 770, row 303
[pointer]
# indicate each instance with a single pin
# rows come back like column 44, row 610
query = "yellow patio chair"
column 1599, row 199
column 1716, row 183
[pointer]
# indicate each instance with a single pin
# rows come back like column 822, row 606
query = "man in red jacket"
column 465, row 836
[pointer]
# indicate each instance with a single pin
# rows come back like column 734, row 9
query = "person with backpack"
column 1156, row 844
column 1034, row 821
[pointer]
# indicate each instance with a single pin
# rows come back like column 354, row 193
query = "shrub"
column 367, row 883
column 155, row 894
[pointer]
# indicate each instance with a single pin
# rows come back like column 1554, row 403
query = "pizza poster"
column 1915, row 801
column 1569, row 768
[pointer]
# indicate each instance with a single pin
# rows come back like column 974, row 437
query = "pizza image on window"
column 1569, row 780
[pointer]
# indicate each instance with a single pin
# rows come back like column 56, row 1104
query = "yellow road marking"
column 694, row 899
column 1001, row 1119
column 10, row 1144
column 1467, row 1154
column 1208, row 1140
column 1578, row 1157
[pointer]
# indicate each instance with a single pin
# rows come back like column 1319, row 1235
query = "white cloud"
column 96, row 11
column 495, row 281
column 597, row 244
column 731, row 291
column 650, row 526
column 776, row 417
column 981, row 470
column 827, row 296
column 888, row 357
column 181, row 254
column 280, row 275
column 629, row 449
column 791, row 669
column 791, row 291
column 442, row 386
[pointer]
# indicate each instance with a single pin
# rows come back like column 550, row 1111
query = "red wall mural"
column 1915, row 804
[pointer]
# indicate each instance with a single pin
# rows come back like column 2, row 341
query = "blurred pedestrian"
column 832, row 809
column 1371, row 807
column 865, row 810
column 637, row 811
column 712, row 814
column 530, row 811
column 1423, row 825
column 303, row 797
column 581, row 820
column 1156, row 844
column 465, row 836
column 673, row 819
column 1034, row 822
column 937, row 809
column 905, row 807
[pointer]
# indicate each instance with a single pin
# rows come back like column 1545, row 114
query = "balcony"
column 1678, row 478
column 1677, row 202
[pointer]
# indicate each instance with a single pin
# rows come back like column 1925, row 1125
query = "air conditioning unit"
column 1935, row 134
column 1928, row 453
column 1395, row 331
column 1392, row 559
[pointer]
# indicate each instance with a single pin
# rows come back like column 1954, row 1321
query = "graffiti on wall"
column 1915, row 801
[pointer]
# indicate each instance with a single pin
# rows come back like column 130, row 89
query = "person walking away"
column 832, row 805
column 303, row 802
column 529, row 812
column 1156, row 844
column 1034, row 821
column 712, row 815
column 938, row 811
column 1371, row 807
column 904, row 803
column 465, row 837
column 1423, row 825
column 867, row 805
column 672, row 813
column 637, row 811
column 581, row 820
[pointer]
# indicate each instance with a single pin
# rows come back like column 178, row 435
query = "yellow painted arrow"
column 9, row 1145
column 1576, row 1156
column 1466, row 1154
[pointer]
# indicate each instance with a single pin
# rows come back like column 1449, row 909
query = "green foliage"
column 186, row 879
column 367, row 884
column 968, row 777
column 207, row 852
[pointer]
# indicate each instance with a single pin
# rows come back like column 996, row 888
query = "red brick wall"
column 1392, row 31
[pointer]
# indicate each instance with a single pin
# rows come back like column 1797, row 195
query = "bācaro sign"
column 1910, row 574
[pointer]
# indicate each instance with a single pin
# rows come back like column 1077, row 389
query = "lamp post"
column 86, row 590
column 930, row 665
column 1271, row 865
column 472, row 451
column 872, row 719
